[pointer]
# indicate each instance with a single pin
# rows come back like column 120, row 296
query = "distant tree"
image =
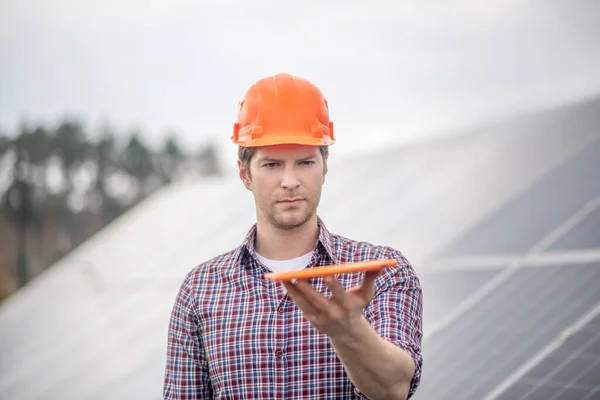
column 4, row 145
column 169, row 159
column 39, row 148
column 37, row 144
column 208, row 159
column 18, row 202
column 137, row 162
column 36, row 147
column 103, row 154
column 71, row 146
column 5, row 151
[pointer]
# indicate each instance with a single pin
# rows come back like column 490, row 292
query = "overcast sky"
column 392, row 70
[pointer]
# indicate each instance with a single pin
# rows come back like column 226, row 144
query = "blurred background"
column 468, row 138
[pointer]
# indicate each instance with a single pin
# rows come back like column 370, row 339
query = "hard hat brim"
column 272, row 141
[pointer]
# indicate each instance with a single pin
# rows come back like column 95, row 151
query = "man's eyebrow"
column 273, row 159
column 270, row 159
column 308, row 157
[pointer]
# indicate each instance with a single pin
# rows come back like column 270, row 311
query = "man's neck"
column 282, row 244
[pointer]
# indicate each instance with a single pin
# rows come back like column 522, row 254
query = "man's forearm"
column 378, row 368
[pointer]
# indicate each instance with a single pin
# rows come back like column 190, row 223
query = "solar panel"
column 488, row 342
column 105, row 345
column 544, row 393
column 520, row 224
column 444, row 290
column 571, row 371
column 584, row 235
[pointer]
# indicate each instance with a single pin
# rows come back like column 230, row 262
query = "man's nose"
column 289, row 180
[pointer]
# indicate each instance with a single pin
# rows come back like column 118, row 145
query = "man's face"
column 286, row 181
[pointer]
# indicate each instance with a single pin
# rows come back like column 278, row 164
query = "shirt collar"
column 325, row 242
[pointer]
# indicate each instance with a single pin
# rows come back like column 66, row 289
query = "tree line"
column 60, row 184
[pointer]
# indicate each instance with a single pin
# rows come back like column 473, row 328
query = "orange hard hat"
column 283, row 109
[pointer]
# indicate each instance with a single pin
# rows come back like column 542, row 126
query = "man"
column 235, row 335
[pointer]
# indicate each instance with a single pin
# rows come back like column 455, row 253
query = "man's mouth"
column 291, row 201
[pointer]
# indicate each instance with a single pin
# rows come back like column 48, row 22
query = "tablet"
column 307, row 273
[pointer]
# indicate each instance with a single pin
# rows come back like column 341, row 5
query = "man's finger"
column 301, row 302
column 307, row 298
column 337, row 290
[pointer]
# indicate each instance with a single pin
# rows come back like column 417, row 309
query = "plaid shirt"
column 235, row 335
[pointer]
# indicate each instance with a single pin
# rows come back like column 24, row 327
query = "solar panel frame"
column 584, row 235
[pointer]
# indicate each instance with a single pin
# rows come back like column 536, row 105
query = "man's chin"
column 291, row 222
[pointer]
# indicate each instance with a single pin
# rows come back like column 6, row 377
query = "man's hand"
column 340, row 314
column 378, row 368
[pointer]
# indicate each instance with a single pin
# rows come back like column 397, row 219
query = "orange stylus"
column 373, row 265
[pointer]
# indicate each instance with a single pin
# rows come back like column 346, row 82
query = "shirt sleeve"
column 396, row 313
column 186, row 372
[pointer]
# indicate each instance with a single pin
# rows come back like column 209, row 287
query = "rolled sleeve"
column 186, row 372
column 395, row 313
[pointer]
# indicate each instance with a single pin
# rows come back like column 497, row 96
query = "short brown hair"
column 245, row 154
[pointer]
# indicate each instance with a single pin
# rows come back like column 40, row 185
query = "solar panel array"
column 502, row 226
column 523, row 333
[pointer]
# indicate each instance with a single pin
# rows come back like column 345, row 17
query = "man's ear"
column 244, row 175
column 325, row 169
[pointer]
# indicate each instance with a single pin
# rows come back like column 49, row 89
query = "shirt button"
column 280, row 310
column 278, row 353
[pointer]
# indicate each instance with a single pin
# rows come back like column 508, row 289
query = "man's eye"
column 307, row 162
column 270, row 165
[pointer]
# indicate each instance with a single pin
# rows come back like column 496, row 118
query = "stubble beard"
column 280, row 222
